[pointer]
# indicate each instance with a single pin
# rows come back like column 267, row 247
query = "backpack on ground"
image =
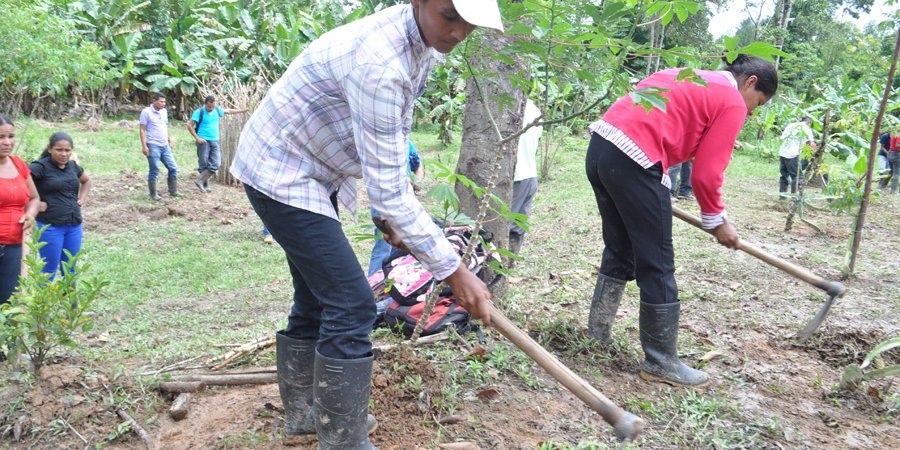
column 403, row 284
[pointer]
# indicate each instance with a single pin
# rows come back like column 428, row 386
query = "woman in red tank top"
column 18, row 206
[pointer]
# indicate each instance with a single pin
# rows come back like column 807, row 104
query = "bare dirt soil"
column 739, row 316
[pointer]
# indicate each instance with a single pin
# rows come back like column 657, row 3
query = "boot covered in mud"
column 202, row 181
column 295, row 359
column 659, row 339
column 151, row 185
column 605, row 302
column 173, row 187
column 342, row 388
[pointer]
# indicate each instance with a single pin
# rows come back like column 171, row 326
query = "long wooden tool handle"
column 626, row 425
column 832, row 288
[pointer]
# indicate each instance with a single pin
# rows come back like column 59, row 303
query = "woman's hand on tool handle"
column 471, row 293
column 727, row 235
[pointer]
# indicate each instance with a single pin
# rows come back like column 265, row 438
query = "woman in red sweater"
column 627, row 159
column 18, row 206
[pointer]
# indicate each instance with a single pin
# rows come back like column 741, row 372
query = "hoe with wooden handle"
column 833, row 289
column 627, row 426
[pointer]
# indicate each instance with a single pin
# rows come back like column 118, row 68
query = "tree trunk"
column 479, row 147
column 782, row 16
column 870, row 169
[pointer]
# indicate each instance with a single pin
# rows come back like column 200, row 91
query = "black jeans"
column 10, row 268
column 789, row 174
column 332, row 298
column 637, row 221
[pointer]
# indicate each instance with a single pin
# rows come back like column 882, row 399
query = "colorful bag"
column 403, row 284
column 446, row 312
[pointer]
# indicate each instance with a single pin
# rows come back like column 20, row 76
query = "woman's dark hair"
column 56, row 137
column 209, row 99
column 745, row 65
column 5, row 120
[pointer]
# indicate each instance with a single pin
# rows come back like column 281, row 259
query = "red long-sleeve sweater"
column 700, row 122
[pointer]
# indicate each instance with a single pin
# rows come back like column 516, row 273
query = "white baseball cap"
column 481, row 13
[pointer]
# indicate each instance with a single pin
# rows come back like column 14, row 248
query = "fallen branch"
column 171, row 367
column 226, row 379
column 180, row 406
column 75, row 431
column 240, row 352
column 442, row 336
column 180, row 387
column 142, row 433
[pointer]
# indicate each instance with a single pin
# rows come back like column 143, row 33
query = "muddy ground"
column 739, row 315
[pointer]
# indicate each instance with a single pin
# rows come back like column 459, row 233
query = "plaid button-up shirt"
column 343, row 111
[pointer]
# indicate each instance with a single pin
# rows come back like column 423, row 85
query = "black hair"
column 56, row 137
column 5, row 120
column 745, row 66
column 209, row 99
column 157, row 95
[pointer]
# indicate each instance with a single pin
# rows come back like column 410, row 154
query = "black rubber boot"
column 659, row 338
column 604, row 304
column 515, row 246
column 173, row 187
column 202, row 179
column 342, row 388
column 782, row 187
column 153, row 194
column 295, row 359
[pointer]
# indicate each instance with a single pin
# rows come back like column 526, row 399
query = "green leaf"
column 763, row 50
column 885, row 372
column 861, row 165
column 649, row 98
column 688, row 74
column 730, row 43
column 879, row 349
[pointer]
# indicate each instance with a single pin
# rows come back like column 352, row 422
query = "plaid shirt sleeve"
column 377, row 96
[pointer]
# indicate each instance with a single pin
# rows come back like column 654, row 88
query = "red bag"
column 446, row 312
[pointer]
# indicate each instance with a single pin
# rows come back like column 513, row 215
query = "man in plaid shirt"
column 343, row 111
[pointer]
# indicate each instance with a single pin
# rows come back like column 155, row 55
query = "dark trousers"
column 637, row 221
column 10, row 268
column 680, row 174
column 332, row 298
column 788, row 174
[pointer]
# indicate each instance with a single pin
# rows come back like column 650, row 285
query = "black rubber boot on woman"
column 605, row 302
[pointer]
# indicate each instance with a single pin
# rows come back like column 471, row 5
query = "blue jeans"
column 58, row 239
column 333, row 302
column 381, row 251
column 680, row 174
column 164, row 154
column 10, row 268
column 208, row 156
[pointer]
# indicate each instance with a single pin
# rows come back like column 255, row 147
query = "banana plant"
column 181, row 69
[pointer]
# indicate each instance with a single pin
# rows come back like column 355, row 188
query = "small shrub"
column 44, row 314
